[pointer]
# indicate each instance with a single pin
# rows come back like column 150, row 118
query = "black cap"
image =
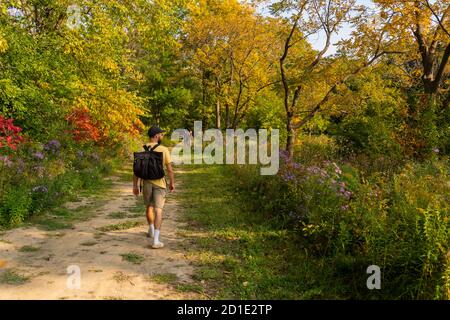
column 154, row 130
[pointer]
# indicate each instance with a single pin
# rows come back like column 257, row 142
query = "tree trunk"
column 446, row 102
column 218, row 114
column 290, row 136
column 284, row 80
column 227, row 116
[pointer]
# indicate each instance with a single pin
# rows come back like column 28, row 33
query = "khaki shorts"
column 154, row 195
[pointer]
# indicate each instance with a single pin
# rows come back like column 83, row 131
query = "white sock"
column 151, row 230
column 156, row 240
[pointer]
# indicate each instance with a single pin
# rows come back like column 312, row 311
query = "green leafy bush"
column 405, row 229
column 369, row 135
column 15, row 206
column 399, row 222
column 49, row 175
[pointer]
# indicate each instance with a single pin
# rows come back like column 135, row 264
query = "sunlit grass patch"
column 238, row 253
column 29, row 249
column 97, row 190
column 138, row 208
column 169, row 278
column 64, row 218
column 133, row 258
column 189, row 287
column 13, row 278
column 136, row 215
column 50, row 224
column 87, row 211
column 62, row 212
column 118, row 215
column 208, row 273
column 205, row 256
column 121, row 226
column 124, row 174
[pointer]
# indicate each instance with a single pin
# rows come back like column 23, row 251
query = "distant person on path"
column 154, row 191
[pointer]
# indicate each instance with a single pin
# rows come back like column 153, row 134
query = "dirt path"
column 114, row 264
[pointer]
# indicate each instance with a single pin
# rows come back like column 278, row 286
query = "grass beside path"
column 239, row 254
column 97, row 194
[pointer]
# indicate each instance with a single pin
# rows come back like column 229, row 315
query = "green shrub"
column 368, row 135
column 315, row 149
column 310, row 198
column 67, row 184
column 15, row 206
column 411, row 238
column 89, row 177
column 54, row 192
column 30, row 184
column 399, row 221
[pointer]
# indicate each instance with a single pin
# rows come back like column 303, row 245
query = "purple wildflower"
column 284, row 155
column 347, row 194
column 6, row 161
column 345, row 207
column 53, row 146
column 80, row 154
column 288, row 176
column 296, row 165
column 39, row 155
column 313, row 170
column 344, row 192
column 20, row 166
column 95, row 156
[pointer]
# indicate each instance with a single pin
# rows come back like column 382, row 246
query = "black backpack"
column 148, row 165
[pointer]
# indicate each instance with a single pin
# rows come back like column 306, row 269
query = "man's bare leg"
column 158, row 223
column 150, row 214
column 158, row 218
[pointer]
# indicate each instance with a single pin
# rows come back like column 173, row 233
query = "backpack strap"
column 157, row 145
column 145, row 147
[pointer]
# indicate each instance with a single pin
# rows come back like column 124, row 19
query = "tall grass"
column 354, row 215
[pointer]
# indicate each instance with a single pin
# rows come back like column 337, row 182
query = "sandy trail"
column 104, row 272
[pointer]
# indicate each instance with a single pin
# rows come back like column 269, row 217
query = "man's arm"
column 171, row 177
column 135, row 185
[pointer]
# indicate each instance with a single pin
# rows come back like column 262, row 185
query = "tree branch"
column 440, row 20
column 440, row 72
column 327, row 96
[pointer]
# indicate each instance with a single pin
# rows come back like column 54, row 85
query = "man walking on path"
column 154, row 191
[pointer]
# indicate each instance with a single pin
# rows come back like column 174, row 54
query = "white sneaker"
column 158, row 245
